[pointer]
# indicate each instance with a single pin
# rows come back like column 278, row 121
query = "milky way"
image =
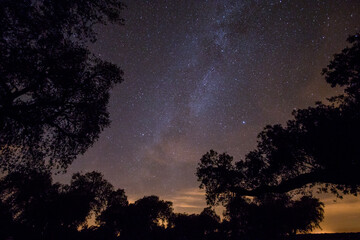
column 203, row 75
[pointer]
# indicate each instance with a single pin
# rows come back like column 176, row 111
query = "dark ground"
column 328, row 236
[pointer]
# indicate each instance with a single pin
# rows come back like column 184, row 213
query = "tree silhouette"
column 115, row 217
column 43, row 210
column 271, row 216
column 7, row 225
column 195, row 226
column 318, row 148
column 53, row 91
column 94, row 185
column 144, row 219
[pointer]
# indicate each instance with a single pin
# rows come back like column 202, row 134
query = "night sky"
column 203, row 75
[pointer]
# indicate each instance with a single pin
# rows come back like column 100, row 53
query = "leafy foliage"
column 140, row 220
column 46, row 210
column 318, row 148
column 53, row 91
column 205, row 225
column 272, row 216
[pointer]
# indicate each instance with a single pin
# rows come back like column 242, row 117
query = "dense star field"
column 203, row 75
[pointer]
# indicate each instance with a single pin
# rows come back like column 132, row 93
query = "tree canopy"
column 320, row 146
column 271, row 216
column 142, row 219
column 316, row 150
column 205, row 225
column 35, row 206
column 53, row 91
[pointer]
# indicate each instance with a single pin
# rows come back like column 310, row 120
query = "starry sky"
column 210, row 74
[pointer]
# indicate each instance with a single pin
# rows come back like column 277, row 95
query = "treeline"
column 33, row 207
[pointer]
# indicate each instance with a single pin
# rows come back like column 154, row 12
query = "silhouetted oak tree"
column 144, row 219
column 320, row 146
column 205, row 225
column 53, row 91
column 271, row 216
column 35, row 208
column 114, row 218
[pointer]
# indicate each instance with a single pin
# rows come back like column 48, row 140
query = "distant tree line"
column 33, row 207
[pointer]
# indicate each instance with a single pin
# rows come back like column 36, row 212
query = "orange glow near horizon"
column 341, row 215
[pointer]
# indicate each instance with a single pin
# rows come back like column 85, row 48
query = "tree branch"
column 285, row 186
